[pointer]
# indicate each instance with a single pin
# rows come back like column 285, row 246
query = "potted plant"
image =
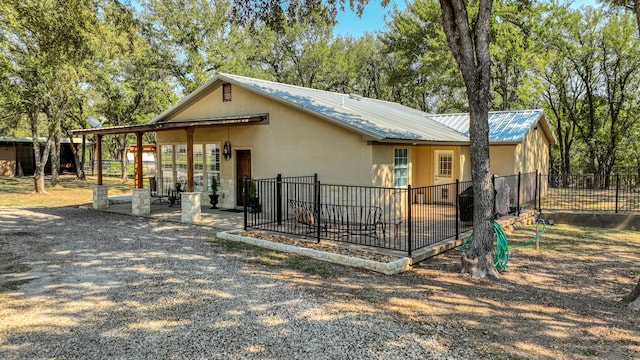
column 213, row 198
column 178, row 185
column 253, row 201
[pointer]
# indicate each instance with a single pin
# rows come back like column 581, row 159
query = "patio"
column 218, row 219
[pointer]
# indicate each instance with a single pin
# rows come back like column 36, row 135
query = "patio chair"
column 155, row 193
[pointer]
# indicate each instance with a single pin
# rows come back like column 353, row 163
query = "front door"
column 443, row 174
column 243, row 170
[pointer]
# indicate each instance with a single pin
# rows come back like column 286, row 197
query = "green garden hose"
column 502, row 245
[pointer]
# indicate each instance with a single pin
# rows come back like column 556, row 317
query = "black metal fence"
column 402, row 219
column 411, row 218
column 589, row 192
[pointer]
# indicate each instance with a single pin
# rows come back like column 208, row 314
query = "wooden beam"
column 138, row 179
column 177, row 125
column 99, row 157
column 189, row 159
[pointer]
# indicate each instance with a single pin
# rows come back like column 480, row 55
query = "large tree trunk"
column 634, row 298
column 78, row 162
column 40, row 159
column 472, row 56
column 55, row 155
column 634, row 295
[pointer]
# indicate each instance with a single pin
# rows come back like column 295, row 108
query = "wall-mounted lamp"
column 226, row 150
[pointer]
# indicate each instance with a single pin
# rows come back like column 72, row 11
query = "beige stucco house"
column 259, row 128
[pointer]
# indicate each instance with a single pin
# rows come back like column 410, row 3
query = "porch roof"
column 177, row 125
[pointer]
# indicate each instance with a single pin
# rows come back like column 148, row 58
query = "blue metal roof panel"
column 510, row 125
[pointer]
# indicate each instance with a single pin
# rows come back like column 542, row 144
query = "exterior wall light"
column 226, row 150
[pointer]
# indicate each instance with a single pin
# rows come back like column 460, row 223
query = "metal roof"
column 376, row 120
column 507, row 126
column 14, row 139
column 174, row 125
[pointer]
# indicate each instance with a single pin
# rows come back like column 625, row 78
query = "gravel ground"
column 88, row 284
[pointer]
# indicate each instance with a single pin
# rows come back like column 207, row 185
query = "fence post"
column 316, row 206
column 409, row 221
column 535, row 193
column 456, row 206
column 279, row 199
column 617, row 190
column 540, row 191
column 244, row 202
column 493, row 185
column 519, row 189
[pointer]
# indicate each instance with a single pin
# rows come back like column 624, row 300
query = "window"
column 445, row 165
column 206, row 164
column 198, row 167
column 226, row 92
column 181, row 162
column 212, row 163
column 400, row 167
column 166, row 163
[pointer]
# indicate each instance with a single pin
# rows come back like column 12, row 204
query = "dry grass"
column 71, row 192
column 591, row 200
column 562, row 302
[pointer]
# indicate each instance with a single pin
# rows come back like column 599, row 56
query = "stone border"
column 395, row 267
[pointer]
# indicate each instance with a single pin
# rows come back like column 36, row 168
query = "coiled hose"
column 502, row 244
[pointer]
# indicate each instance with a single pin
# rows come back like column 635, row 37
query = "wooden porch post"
column 99, row 157
column 138, row 162
column 189, row 159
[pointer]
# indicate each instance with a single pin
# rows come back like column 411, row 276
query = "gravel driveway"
column 104, row 285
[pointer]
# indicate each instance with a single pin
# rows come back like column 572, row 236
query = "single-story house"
column 244, row 127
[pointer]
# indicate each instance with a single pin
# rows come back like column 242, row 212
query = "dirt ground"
column 562, row 302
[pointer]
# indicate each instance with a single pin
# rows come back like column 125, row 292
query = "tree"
column 514, row 27
column 562, row 89
column 43, row 44
column 469, row 44
column 595, row 65
column 132, row 83
column 299, row 50
column 634, row 296
column 633, row 5
column 199, row 39
column 424, row 74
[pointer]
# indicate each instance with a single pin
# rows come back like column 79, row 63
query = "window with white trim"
column 445, row 165
column 401, row 167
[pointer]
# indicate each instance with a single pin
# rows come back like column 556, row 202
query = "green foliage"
column 214, row 185
column 424, row 75
column 588, row 80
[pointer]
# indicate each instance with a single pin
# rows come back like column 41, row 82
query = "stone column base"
column 141, row 201
column 191, row 211
column 100, row 197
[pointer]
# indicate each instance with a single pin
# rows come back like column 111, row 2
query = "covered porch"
column 192, row 187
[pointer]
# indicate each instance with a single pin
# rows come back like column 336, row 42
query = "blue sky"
column 373, row 18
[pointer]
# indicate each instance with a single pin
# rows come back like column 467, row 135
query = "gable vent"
column 226, row 92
